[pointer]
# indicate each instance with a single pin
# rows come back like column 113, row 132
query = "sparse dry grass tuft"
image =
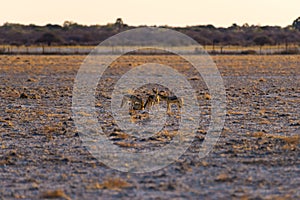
column 52, row 194
column 119, row 135
column 264, row 121
column 232, row 112
column 290, row 141
column 258, row 134
column 111, row 184
column 262, row 79
column 126, row 144
column 51, row 129
column 222, row 177
column 207, row 96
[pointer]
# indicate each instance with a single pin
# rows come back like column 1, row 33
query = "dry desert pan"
column 256, row 157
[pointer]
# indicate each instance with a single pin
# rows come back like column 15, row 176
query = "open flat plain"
column 256, row 157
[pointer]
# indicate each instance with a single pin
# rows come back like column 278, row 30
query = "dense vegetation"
column 71, row 33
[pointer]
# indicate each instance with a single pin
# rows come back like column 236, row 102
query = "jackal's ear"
column 155, row 90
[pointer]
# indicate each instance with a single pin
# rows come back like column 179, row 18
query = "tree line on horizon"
column 71, row 33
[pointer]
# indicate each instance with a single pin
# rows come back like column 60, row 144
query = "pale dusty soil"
column 256, row 157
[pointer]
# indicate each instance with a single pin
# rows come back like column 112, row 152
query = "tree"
column 261, row 41
column 48, row 38
column 72, row 33
column 53, row 26
column 296, row 23
column 214, row 42
column 119, row 23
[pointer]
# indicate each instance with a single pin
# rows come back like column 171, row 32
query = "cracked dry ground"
column 256, row 157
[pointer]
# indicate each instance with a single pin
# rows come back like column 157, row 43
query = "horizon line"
column 154, row 25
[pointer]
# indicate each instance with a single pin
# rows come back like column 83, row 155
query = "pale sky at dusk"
column 151, row 12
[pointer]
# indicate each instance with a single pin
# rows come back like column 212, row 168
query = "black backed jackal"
column 171, row 100
column 152, row 99
column 135, row 102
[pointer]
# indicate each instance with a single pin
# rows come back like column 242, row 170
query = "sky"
column 221, row 13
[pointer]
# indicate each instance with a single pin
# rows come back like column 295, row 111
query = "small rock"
column 31, row 80
column 23, row 96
